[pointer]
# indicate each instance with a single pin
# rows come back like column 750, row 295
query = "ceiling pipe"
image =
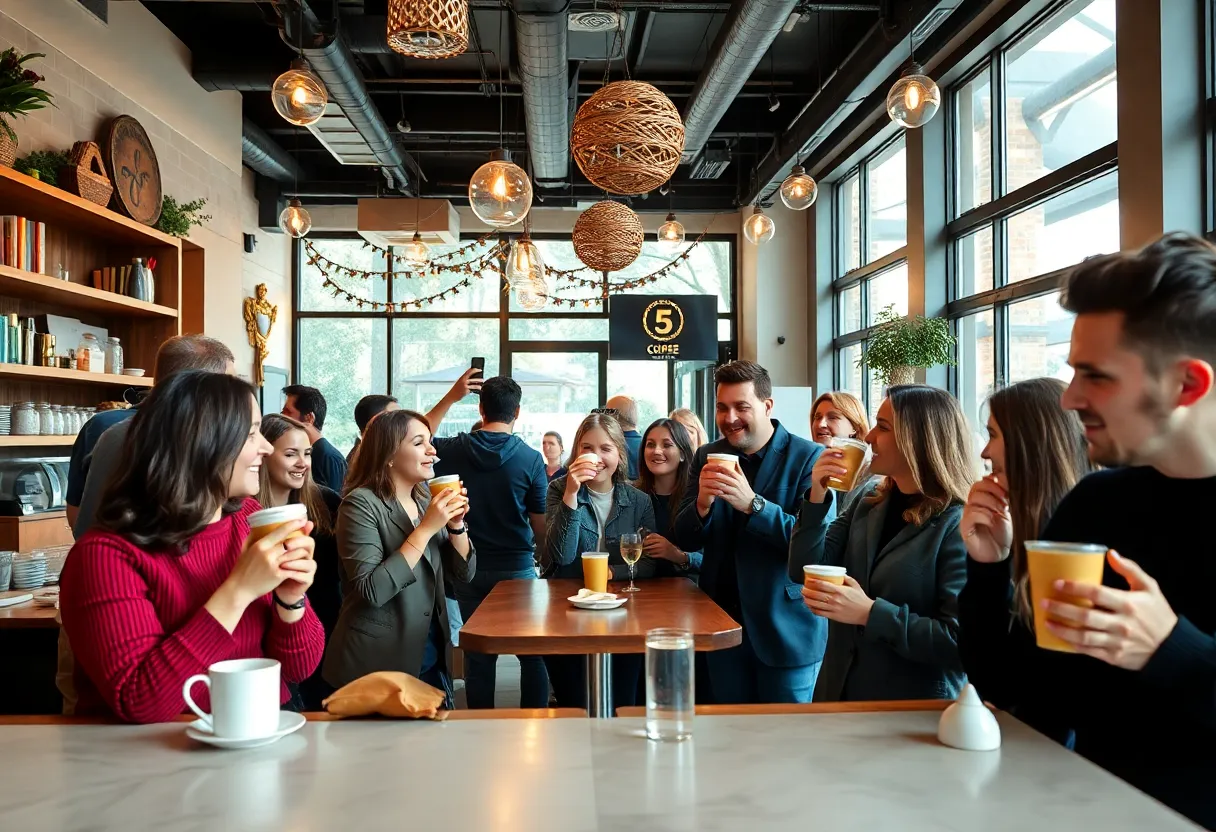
column 544, row 71
column 263, row 155
column 745, row 37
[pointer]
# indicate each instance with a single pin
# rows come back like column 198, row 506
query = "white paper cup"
column 724, row 460
column 440, row 484
column 244, row 698
column 262, row 523
column 589, row 457
column 831, row 574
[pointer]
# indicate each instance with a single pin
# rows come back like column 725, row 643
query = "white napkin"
column 587, row 595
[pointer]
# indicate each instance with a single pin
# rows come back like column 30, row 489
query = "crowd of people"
column 164, row 579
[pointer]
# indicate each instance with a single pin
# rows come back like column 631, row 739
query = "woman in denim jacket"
column 587, row 511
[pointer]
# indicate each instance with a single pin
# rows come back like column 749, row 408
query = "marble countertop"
column 874, row 771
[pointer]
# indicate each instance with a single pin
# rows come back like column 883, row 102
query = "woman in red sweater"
column 167, row 583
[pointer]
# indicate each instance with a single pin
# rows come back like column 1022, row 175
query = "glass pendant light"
column 500, row 193
column 524, row 263
column 914, row 99
column 532, row 295
column 759, row 227
column 295, row 220
column 799, row 189
column 671, row 232
column 417, row 254
column 298, row 95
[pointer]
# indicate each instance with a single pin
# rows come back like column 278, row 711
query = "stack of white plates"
column 6, row 416
column 29, row 571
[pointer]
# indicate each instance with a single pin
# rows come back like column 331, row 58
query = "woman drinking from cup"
column 666, row 460
column 839, row 418
column 697, row 435
column 899, row 560
column 169, row 581
column 551, row 449
column 397, row 545
column 287, row 480
column 588, row 511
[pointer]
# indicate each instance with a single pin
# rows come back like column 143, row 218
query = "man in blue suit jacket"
column 743, row 520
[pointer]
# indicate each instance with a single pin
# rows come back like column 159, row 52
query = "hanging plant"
column 179, row 219
column 43, row 164
column 899, row 344
column 19, row 93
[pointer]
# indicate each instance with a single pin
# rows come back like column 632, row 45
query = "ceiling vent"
column 712, row 162
column 594, row 21
column 391, row 222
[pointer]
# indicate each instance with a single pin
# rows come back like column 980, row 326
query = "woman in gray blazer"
column 587, row 511
column 893, row 631
column 396, row 546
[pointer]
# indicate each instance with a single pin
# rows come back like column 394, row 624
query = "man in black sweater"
column 1140, row 698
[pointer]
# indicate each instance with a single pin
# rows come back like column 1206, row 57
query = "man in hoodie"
column 506, row 482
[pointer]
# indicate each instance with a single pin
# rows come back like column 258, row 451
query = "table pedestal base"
column 599, row 685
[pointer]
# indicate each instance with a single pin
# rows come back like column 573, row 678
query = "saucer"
column 289, row 723
column 600, row 604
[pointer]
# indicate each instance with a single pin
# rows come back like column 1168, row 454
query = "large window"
column 1034, row 173
column 559, row 356
column 871, row 230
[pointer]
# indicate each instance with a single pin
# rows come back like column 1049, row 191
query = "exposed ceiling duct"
column 263, row 155
column 540, row 39
column 746, row 35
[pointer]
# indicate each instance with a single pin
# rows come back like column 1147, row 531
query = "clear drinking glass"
column 631, row 551
column 669, row 684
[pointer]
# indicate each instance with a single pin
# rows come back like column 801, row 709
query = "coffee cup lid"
column 816, row 569
column 445, row 479
column 1064, row 548
column 722, row 456
column 596, row 457
column 278, row 514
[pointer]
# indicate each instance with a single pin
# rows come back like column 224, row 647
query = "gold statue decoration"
column 260, row 315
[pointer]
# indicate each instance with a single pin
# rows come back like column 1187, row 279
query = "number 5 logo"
column 663, row 320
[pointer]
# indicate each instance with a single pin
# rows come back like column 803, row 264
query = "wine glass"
column 631, row 551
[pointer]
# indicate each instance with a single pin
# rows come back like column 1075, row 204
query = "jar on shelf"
column 58, row 427
column 89, row 412
column 24, row 419
column 114, row 363
column 71, row 419
column 90, row 357
column 46, row 419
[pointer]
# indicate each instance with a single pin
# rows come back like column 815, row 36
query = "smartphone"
column 479, row 363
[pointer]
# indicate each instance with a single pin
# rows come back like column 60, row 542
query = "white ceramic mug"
column 244, row 698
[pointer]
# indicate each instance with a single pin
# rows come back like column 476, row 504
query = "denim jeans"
column 738, row 677
column 480, row 668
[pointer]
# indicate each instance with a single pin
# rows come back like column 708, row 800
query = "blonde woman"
column 840, row 415
column 893, row 631
column 691, row 423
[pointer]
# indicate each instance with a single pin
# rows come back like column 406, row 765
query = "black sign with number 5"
column 663, row 327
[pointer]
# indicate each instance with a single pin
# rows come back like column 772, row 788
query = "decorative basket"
column 608, row 236
column 86, row 175
column 8, row 149
column 627, row 138
column 428, row 28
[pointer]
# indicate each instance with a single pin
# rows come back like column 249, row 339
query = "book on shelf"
column 24, row 244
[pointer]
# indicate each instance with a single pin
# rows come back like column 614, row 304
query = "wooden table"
column 27, row 615
column 534, row 618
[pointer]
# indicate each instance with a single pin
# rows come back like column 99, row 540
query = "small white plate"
column 596, row 605
column 289, row 723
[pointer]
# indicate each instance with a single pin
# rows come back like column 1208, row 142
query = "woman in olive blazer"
column 397, row 546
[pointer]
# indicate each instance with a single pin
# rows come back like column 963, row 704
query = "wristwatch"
column 463, row 529
column 757, row 504
column 298, row 605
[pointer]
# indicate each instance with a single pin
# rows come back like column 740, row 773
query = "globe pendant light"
column 295, row 220
column 914, row 99
column 417, row 254
column 298, row 95
column 799, row 190
column 671, row 232
column 500, row 193
column 759, row 227
column 524, row 264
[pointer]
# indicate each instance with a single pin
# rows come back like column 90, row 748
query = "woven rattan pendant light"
column 627, row 138
column 428, row 28
column 607, row 236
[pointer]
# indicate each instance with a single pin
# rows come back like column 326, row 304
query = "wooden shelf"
column 49, row 204
column 25, row 372
column 30, row 286
column 36, row 441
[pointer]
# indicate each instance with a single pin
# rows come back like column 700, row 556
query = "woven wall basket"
column 627, row 138
column 428, row 28
column 608, row 236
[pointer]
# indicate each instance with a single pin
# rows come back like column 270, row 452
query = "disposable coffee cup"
column 444, row 483
column 831, row 574
column 724, row 460
column 262, row 523
column 589, row 458
column 595, row 571
column 244, row 698
column 1050, row 561
column 854, row 457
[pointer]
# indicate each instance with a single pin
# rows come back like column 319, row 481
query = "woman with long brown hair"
column 894, row 621
column 397, row 544
column 667, row 456
column 1038, row 453
column 287, row 478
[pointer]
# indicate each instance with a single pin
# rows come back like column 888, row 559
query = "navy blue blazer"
column 782, row 631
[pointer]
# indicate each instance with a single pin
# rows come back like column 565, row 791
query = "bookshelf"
column 82, row 236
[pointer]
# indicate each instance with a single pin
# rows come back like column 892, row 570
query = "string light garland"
column 435, row 268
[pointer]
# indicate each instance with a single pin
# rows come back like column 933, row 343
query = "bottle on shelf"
column 114, row 362
column 29, row 355
column 15, row 339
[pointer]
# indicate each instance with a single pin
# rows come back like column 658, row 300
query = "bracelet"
column 298, row 605
column 415, row 548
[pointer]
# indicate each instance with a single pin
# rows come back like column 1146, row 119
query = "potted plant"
column 899, row 344
column 177, row 219
column 42, row 164
column 19, row 96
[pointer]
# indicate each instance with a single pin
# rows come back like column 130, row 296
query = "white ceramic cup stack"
column 29, row 571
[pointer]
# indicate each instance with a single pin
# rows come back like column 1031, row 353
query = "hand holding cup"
column 987, row 527
column 584, row 468
column 260, row 568
column 445, row 507
column 830, row 465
